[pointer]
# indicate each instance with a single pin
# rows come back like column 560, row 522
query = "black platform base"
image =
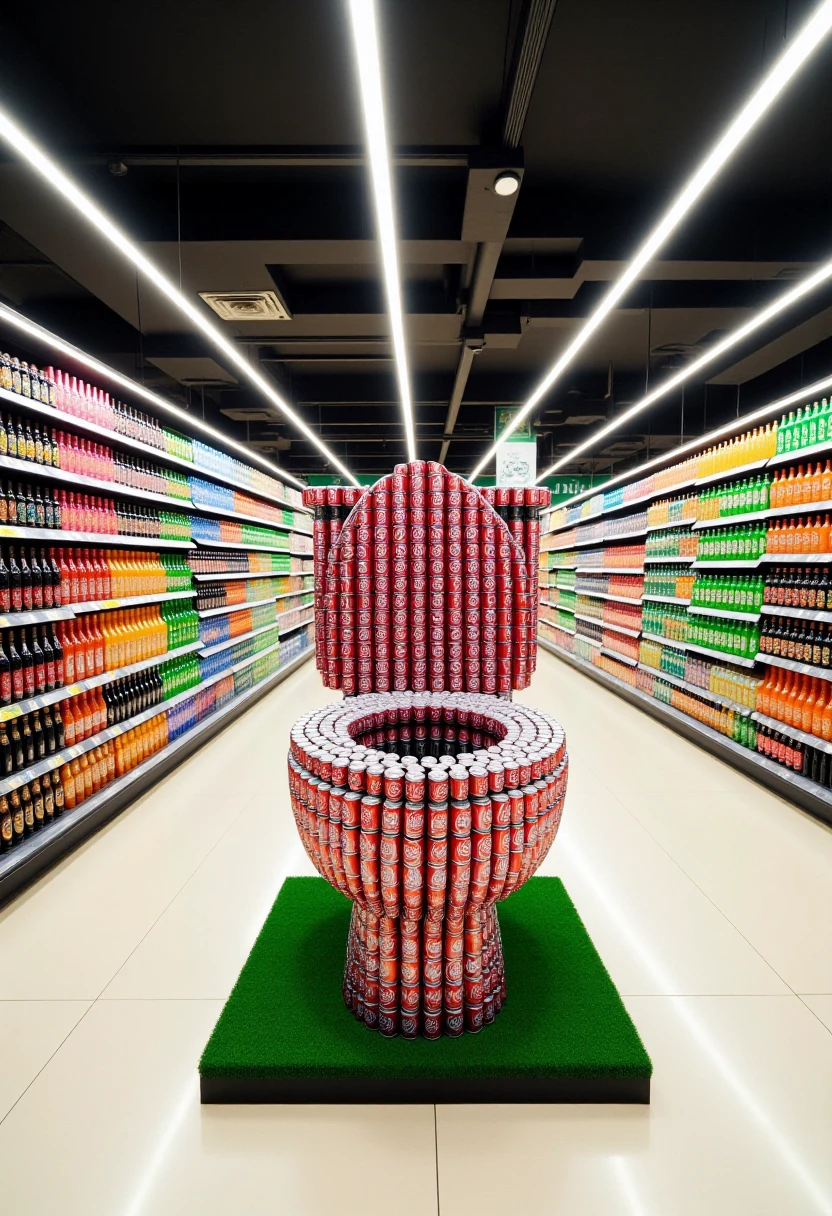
column 407, row 1090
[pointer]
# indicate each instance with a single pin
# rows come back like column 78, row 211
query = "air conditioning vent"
column 247, row 305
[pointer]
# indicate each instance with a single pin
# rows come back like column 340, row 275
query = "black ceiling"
column 241, row 131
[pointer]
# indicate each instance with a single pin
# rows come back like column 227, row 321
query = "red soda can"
column 370, row 813
column 460, row 819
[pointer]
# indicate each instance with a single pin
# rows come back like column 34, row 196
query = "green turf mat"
column 286, row 1018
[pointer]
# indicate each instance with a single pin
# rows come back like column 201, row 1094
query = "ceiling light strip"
column 63, row 185
column 786, row 67
column 704, row 441
column 743, row 331
column 368, row 58
column 188, row 421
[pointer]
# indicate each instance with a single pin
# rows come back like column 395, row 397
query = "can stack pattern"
column 426, row 796
column 426, row 809
column 424, row 582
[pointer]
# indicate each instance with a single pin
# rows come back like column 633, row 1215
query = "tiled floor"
column 709, row 899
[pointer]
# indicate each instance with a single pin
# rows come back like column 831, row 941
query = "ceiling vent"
column 247, row 305
column 242, row 414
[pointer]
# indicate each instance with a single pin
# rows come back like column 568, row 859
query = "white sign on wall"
column 517, row 458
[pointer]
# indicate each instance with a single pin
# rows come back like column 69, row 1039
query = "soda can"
column 414, row 821
column 453, row 1021
column 393, row 783
column 357, row 776
column 459, row 819
column 415, row 785
column 432, row 999
column 438, row 785
column 370, row 813
column 374, row 779
column 437, row 819
column 409, row 999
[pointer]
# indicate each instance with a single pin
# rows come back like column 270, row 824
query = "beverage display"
column 101, row 638
column 761, row 500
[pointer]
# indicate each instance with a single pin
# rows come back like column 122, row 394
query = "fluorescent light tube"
column 761, row 318
column 365, row 39
column 786, row 67
column 63, row 185
column 33, row 330
column 704, row 441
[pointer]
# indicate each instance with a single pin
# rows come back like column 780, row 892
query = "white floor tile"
column 821, row 1007
column 766, row 865
column 31, row 1032
column 197, row 947
column 739, row 1123
column 655, row 930
column 113, row 1124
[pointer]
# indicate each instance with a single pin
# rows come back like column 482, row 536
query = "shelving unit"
column 791, row 786
column 27, row 858
column 800, row 788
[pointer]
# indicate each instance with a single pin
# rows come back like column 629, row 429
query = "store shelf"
column 725, row 702
column 801, row 508
column 603, row 595
column 594, row 620
column 57, row 536
column 729, row 475
column 725, row 612
column 800, row 559
column 245, row 546
column 553, row 625
column 70, row 422
column 576, row 544
column 609, row 569
column 675, row 560
column 107, row 677
column 725, row 520
column 721, row 655
column 799, row 454
column 228, row 608
column 555, row 604
column 806, row 669
column 39, row 851
column 621, row 658
column 38, row 616
column 263, row 521
column 801, row 735
column 803, row 614
column 284, row 633
column 676, row 523
column 728, row 564
column 243, row 637
column 807, row 794
column 29, row 470
column 223, row 578
column 656, row 637
column 127, row 601
column 595, row 643
column 665, row 599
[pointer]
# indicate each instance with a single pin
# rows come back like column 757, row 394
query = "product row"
column 42, row 658
column 25, row 506
column 71, row 395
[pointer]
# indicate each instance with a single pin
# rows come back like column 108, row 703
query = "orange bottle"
column 789, row 698
column 788, row 489
column 68, row 786
column 806, row 536
column 805, row 722
column 789, row 537
column 818, row 708
column 798, row 701
column 826, row 483
column 817, row 483
column 824, row 538
column 70, row 725
column 826, row 722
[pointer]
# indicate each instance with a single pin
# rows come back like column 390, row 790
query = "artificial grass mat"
column 286, row 1018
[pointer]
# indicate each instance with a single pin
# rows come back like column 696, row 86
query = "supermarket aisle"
column 708, row 898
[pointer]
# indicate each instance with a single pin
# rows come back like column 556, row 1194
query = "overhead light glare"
column 786, row 67
column 368, row 58
column 506, row 184
column 737, row 335
column 704, row 441
column 62, row 184
column 33, row 330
